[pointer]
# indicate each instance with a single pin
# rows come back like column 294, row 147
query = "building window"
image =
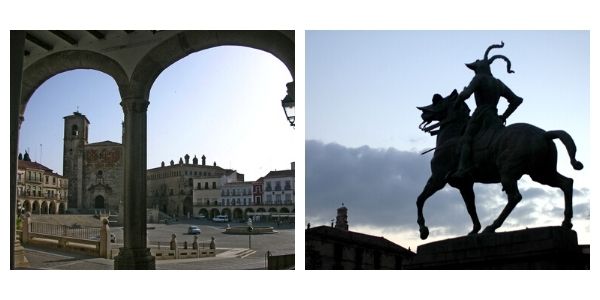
column 206, row 185
column 214, row 185
column 269, row 187
column 288, row 198
column 277, row 199
column 74, row 130
column 288, row 185
column 190, row 181
column 278, row 186
column 171, row 192
column 46, row 179
column 199, row 186
column 269, row 199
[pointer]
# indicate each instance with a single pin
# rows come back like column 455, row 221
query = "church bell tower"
column 75, row 138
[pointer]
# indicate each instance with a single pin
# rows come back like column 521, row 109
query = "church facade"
column 94, row 170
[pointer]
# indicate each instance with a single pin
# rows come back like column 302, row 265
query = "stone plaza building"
column 240, row 200
column 39, row 189
column 170, row 188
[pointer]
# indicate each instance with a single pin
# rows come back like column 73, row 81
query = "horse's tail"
column 566, row 139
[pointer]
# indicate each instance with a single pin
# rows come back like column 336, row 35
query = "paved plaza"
column 232, row 250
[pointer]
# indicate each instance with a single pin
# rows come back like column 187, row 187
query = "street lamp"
column 250, row 229
column 289, row 104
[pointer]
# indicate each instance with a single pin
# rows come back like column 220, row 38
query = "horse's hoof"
column 473, row 233
column 424, row 232
column 567, row 225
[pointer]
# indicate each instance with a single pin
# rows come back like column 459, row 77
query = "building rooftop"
column 352, row 237
column 283, row 173
column 24, row 165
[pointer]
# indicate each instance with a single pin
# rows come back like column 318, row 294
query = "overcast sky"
column 363, row 145
column 223, row 102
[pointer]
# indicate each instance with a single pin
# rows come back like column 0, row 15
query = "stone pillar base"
column 20, row 258
column 534, row 248
column 134, row 259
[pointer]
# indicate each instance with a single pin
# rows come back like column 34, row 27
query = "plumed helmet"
column 483, row 66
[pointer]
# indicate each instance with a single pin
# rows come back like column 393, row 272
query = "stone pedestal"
column 135, row 259
column 536, row 248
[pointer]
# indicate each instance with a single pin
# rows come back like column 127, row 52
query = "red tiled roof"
column 23, row 164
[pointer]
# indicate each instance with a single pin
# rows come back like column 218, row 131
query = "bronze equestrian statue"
column 497, row 154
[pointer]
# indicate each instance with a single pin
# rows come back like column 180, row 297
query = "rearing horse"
column 500, row 155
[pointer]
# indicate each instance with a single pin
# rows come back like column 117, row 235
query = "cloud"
column 380, row 187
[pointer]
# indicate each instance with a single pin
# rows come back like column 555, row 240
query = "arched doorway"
column 61, row 208
column 188, row 207
column 203, row 212
column 284, row 210
column 27, row 205
column 214, row 212
column 36, row 207
column 44, row 207
column 238, row 214
column 99, row 202
column 52, row 207
column 248, row 210
column 226, row 212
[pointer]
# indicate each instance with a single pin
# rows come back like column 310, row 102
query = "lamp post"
column 250, row 228
column 288, row 103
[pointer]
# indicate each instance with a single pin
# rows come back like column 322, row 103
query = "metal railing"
column 73, row 231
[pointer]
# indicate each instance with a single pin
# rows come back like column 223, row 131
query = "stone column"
column 134, row 254
column 105, row 239
column 17, row 44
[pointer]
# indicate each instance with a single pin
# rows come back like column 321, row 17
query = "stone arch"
column 52, row 207
column 272, row 210
column 203, row 211
column 62, row 208
column 238, row 213
column 44, row 207
column 261, row 210
column 247, row 211
column 226, row 212
column 279, row 44
column 35, row 207
column 284, row 210
column 40, row 71
column 27, row 205
column 214, row 212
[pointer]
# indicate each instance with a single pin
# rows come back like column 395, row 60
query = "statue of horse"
column 500, row 155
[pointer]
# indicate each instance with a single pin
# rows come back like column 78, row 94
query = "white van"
column 221, row 218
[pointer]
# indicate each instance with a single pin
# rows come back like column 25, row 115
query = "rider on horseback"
column 488, row 91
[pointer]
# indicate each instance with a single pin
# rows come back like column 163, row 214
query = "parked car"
column 200, row 216
column 221, row 218
column 194, row 230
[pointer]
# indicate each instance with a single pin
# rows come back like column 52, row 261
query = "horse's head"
column 440, row 110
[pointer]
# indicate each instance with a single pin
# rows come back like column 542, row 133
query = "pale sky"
column 223, row 102
column 362, row 91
